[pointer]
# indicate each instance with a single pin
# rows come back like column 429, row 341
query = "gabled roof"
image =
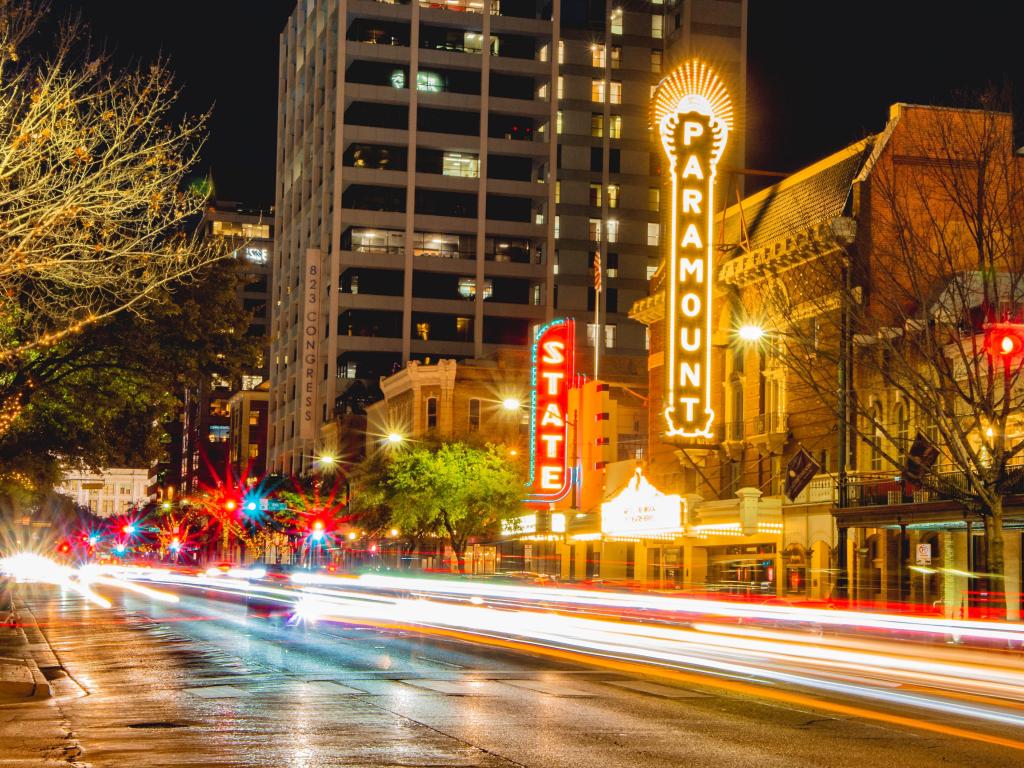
column 811, row 196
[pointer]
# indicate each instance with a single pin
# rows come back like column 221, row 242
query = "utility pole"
column 842, row 384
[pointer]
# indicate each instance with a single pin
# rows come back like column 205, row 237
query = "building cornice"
column 786, row 253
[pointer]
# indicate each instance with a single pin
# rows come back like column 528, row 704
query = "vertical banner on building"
column 309, row 342
column 553, row 370
column 693, row 115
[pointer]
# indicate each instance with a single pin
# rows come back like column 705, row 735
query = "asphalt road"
column 200, row 683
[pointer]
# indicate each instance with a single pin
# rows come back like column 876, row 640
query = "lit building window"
column 463, row 328
column 653, row 233
column 595, row 195
column 615, row 126
column 616, row 56
column 542, row 92
column 472, row 42
column 251, row 382
column 423, row 331
column 597, row 90
column 219, row 433
column 597, row 57
column 431, row 82
column 613, row 230
column 254, row 450
column 656, row 22
column 653, row 198
column 254, row 418
column 596, row 125
column 556, row 227
column 558, row 122
column 561, row 52
column 615, row 93
column 467, row 288
column 542, row 54
column 594, row 230
column 558, row 191
column 609, row 336
column 613, row 195
column 617, row 21
column 460, row 164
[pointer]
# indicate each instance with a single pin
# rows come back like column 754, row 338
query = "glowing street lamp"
column 750, row 332
column 129, row 529
column 393, row 532
column 511, row 404
column 395, row 438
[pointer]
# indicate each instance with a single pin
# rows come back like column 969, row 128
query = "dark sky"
column 820, row 73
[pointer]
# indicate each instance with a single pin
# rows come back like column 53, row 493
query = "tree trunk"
column 458, row 543
column 996, row 567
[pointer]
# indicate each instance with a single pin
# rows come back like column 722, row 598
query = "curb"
column 24, row 653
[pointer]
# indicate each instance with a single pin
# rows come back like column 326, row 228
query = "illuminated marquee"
column 642, row 510
column 553, row 372
column 693, row 116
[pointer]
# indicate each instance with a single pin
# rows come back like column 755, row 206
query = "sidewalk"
column 21, row 644
column 33, row 730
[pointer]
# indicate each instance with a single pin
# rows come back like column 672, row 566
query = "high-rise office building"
column 206, row 416
column 446, row 173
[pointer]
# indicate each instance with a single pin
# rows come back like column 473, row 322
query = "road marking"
column 331, row 687
column 654, row 689
column 550, row 688
column 460, row 687
column 438, row 661
column 219, row 692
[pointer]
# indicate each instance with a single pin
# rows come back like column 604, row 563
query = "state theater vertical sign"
column 693, row 115
column 553, row 374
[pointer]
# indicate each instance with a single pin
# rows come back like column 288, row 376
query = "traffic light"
column 317, row 532
column 1005, row 341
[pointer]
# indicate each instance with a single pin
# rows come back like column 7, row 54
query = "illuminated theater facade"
column 727, row 419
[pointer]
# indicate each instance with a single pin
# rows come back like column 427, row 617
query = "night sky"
column 820, row 74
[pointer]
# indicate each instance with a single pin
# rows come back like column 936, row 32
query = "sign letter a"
column 692, row 237
column 693, row 168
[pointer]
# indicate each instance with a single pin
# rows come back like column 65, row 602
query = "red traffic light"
column 1005, row 341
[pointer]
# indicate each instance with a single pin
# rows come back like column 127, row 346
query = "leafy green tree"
column 456, row 489
column 95, row 396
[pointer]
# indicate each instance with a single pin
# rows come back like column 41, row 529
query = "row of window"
column 610, row 231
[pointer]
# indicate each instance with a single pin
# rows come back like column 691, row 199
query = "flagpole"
column 597, row 331
column 598, row 286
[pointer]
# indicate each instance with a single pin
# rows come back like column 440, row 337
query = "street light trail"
column 702, row 642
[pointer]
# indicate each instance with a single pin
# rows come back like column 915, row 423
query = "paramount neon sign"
column 553, row 373
column 693, row 115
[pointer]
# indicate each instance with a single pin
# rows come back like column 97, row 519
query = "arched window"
column 875, row 444
column 901, row 427
column 735, row 425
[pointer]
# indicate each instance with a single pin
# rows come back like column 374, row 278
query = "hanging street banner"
column 553, row 372
column 800, row 470
column 692, row 113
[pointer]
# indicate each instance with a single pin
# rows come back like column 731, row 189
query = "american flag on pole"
column 597, row 272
